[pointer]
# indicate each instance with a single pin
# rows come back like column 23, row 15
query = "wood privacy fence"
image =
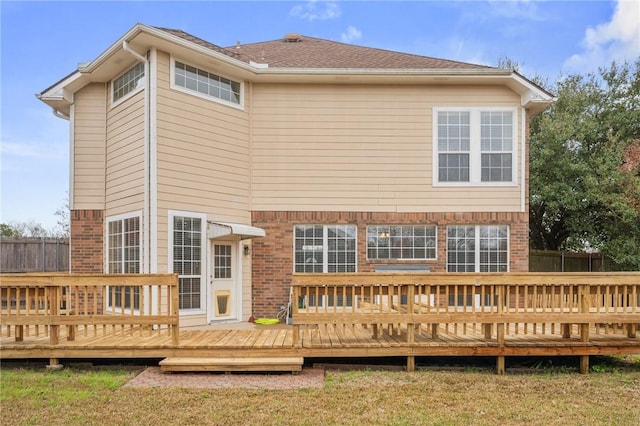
column 34, row 255
column 94, row 305
column 560, row 261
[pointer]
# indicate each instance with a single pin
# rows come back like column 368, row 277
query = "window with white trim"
column 222, row 261
column 127, row 83
column 206, row 83
column 474, row 146
column 123, row 257
column 401, row 242
column 187, row 240
column 496, row 146
column 478, row 248
column 325, row 248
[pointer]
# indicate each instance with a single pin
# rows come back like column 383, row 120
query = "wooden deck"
column 318, row 342
column 335, row 315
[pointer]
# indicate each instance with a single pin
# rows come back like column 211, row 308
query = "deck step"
column 262, row 364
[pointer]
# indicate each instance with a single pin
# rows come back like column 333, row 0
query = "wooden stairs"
column 256, row 364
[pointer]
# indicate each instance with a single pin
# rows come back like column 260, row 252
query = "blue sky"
column 41, row 42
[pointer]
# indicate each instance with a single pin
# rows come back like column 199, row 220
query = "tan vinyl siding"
column 362, row 148
column 203, row 156
column 88, row 180
column 126, row 156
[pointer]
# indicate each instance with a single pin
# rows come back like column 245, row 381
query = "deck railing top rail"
column 467, row 278
column 64, row 279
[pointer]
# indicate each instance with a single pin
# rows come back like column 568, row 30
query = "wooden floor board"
column 316, row 342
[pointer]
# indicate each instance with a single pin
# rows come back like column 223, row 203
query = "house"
column 235, row 167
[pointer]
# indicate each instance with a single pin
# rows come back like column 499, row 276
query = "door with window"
column 222, row 282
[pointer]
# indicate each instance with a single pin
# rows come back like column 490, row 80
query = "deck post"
column 500, row 326
column 583, row 293
column 411, row 363
column 500, row 365
column 584, row 364
column 631, row 330
column 566, row 331
column 54, row 329
column 175, row 311
column 54, row 364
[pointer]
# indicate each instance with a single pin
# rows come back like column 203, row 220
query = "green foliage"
column 581, row 196
column 7, row 231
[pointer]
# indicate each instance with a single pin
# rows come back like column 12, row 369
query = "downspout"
column 60, row 114
column 125, row 46
column 146, row 268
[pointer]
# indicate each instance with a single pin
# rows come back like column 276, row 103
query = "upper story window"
column 325, row 248
column 474, row 146
column 127, row 83
column 204, row 83
column 401, row 242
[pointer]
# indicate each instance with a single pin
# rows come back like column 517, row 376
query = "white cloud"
column 315, row 10
column 618, row 39
column 33, row 150
column 516, row 9
column 351, row 34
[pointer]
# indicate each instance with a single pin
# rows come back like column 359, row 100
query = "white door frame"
column 235, row 287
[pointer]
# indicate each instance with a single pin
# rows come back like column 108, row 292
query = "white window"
column 325, row 248
column 186, row 247
column 206, row 84
column 401, row 242
column 478, row 248
column 222, row 261
column 474, row 146
column 124, row 252
column 128, row 83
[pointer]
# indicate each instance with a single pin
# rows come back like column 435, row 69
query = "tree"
column 584, row 193
column 62, row 229
column 27, row 229
column 7, row 231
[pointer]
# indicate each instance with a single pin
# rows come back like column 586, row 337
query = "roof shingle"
column 310, row 52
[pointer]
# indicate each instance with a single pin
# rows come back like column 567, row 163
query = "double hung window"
column 478, row 248
column 187, row 255
column 325, row 248
column 474, row 146
column 123, row 257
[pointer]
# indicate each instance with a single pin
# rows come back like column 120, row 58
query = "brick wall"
column 87, row 241
column 273, row 255
column 87, row 252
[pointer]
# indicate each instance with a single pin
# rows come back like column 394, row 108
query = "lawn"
column 610, row 394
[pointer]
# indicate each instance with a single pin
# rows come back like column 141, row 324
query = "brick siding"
column 87, row 250
column 272, row 262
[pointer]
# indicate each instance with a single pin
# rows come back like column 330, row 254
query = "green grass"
column 554, row 396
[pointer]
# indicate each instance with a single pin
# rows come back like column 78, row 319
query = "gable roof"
column 299, row 51
column 292, row 59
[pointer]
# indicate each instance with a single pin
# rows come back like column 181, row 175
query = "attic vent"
column 292, row 38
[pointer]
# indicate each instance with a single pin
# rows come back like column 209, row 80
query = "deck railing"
column 100, row 304
column 496, row 304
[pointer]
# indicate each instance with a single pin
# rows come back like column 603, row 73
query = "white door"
column 222, row 281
